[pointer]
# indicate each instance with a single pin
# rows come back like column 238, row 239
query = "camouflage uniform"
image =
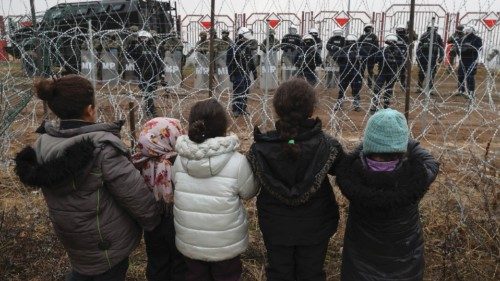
column 131, row 38
column 273, row 42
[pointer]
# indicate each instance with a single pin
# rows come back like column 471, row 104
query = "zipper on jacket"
column 98, row 224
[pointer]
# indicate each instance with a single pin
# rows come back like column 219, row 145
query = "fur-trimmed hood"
column 293, row 182
column 56, row 172
column 61, row 156
column 404, row 186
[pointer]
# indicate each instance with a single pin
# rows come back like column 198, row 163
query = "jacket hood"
column 404, row 186
column 53, row 130
column 206, row 159
column 61, row 156
column 56, row 172
column 293, row 182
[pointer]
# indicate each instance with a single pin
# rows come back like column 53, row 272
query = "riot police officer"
column 240, row 66
column 291, row 43
column 437, row 54
column 273, row 42
column 308, row 59
column 334, row 45
column 349, row 59
column 468, row 51
column 453, row 41
column 390, row 61
column 148, row 67
column 370, row 46
column 315, row 34
column 403, row 43
column 174, row 58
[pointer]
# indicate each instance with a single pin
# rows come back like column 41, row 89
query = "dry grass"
column 460, row 226
column 459, row 214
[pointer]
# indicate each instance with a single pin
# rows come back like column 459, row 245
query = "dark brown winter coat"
column 97, row 200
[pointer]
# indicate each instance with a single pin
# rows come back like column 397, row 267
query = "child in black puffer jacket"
column 296, row 205
column 384, row 180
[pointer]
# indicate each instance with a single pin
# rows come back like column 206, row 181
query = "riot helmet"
column 401, row 29
column 391, row 39
column 314, row 32
column 244, row 34
column 144, row 35
column 351, row 39
column 338, row 32
column 309, row 40
column 368, row 28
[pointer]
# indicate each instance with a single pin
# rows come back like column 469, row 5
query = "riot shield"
column 110, row 74
column 201, row 70
column 221, row 73
column 172, row 63
column 288, row 68
column 331, row 71
column 268, row 73
column 89, row 65
column 129, row 74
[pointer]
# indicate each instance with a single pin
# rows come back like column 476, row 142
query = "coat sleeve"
column 430, row 164
column 246, row 181
column 441, row 47
column 230, row 60
column 128, row 188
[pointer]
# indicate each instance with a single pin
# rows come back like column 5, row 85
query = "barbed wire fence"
column 461, row 214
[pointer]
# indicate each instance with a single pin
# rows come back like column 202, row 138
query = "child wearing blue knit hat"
column 384, row 179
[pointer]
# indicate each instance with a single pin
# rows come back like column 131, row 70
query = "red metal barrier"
column 384, row 22
column 3, row 54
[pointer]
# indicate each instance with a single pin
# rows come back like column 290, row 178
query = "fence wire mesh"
column 460, row 214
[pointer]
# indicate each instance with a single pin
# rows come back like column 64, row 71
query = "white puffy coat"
column 210, row 180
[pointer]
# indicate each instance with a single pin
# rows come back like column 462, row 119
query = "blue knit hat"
column 386, row 132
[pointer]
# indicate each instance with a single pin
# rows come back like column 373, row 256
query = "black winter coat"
column 350, row 58
column 369, row 44
column 291, row 42
column 335, row 44
column 296, row 204
column 307, row 60
column 147, row 61
column 469, row 47
column 383, row 237
column 390, row 60
column 424, row 45
column 239, row 61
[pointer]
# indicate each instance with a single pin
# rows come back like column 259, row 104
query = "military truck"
column 64, row 27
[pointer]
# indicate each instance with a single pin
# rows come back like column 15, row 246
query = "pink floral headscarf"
column 155, row 148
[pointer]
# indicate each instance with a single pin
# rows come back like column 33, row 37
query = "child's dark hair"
column 207, row 119
column 294, row 102
column 67, row 96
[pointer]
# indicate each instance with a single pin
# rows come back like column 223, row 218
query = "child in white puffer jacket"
column 210, row 179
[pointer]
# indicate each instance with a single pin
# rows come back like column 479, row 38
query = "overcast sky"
column 17, row 7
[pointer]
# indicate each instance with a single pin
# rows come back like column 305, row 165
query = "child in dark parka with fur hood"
column 96, row 198
column 296, row 205
column 384, row 180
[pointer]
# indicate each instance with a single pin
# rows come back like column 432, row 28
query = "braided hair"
column 294, row 103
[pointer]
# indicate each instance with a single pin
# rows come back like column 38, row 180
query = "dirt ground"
column 459, row 214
